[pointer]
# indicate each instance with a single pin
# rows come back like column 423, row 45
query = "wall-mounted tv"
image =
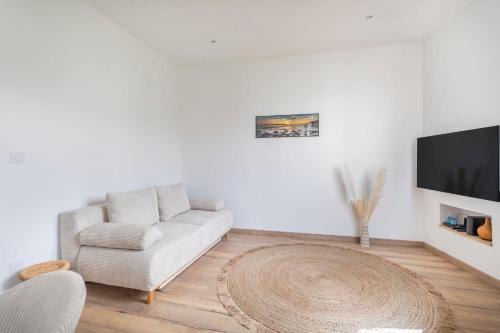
column 463, row 163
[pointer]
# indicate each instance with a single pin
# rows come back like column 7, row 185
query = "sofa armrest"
column 72, row 223
column 206, row 204
column 51, row 302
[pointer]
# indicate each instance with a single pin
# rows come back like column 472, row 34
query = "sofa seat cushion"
column 135, row 207
column 201, row 217
column 145, row 270
column 173, row 231
column 213, row 225
column 120, row 236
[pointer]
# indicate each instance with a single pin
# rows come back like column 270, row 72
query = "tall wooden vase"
column 484, row 231
column 364, row 235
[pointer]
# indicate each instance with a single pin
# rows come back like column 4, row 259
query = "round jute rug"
column 322, row 288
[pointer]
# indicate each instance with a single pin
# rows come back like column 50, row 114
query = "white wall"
column 370, row 105
column 89, row 105
column 462, row 80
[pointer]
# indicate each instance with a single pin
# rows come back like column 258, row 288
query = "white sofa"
column 184, row 238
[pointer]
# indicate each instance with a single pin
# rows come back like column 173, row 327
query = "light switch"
column 17, row 157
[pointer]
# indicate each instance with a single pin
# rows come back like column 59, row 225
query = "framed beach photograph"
column 291, row 125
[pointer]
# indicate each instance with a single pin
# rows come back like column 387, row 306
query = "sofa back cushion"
column 134, row 207
column 172, row 201
column 213, row 205
column 120, row 236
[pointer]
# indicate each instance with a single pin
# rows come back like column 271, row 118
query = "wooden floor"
column 190, row 304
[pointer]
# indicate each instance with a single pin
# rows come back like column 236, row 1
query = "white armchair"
column 49, row 303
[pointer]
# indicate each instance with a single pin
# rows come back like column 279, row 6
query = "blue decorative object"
column 451, row 221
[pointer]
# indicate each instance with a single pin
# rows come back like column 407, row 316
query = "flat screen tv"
column 464, row 163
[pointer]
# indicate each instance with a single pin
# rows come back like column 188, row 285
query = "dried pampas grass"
column 364, row 207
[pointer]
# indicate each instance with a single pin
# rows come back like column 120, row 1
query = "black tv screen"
column 464, row 163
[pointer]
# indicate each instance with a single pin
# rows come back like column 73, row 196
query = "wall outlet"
column 16, row 266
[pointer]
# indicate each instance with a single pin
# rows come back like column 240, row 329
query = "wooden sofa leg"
column 151, row 297
column 226, row 236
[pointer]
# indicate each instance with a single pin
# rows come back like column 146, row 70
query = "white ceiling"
column 182, row 30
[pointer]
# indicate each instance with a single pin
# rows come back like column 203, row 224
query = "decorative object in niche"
column 484, row 231
column 364, row 207
column 292, row 125
column 462, row 219
column 473, row 223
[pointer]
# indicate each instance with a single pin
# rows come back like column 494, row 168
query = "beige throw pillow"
column 172, row 201
column 135, row 207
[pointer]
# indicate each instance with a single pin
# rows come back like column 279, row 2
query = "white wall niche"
column 446, row 211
